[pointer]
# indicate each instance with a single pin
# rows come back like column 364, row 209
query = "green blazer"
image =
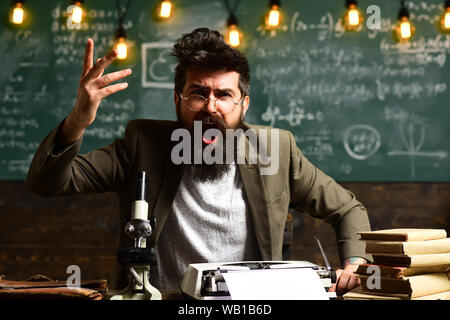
column 147, row 146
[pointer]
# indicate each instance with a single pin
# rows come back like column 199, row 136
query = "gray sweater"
column 208, row 222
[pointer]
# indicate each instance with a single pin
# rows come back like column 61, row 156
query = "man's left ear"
column 245, row 105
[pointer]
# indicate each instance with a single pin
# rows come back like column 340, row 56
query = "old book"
column 404, row 234
column 409, row 247
column 399, row 272
column 359, row 294
column 414, row 286
column 419, row 260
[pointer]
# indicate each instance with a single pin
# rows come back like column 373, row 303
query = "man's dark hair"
column 206, row 48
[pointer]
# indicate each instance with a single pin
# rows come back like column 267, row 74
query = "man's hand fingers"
column 342, row 282
column 101, row 64
column 88, row 57
column 111, row 77
column 353, row 282
column 338, row 275
column 347, row 281
column 106, row 91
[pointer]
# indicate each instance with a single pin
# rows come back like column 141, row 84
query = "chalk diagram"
column 413, row 136
column 361, row 141
column 150, row 77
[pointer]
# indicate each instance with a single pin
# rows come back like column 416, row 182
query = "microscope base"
column 139, row 288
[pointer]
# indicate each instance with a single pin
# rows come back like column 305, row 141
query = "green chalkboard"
column 361, row 107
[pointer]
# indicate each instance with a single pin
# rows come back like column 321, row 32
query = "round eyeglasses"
column 224, row 104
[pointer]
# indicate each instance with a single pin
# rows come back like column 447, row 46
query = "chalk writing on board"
column 296, row 115
column 68, row 45
column 156, row 67
column 20, row 166
column 316, row 143
column 361, row 141
column 310, row 76
column 12, row 95
column 19, row 144
column 326, row 28
column 19, row 122
column 340, row 81
column 412, row 134
column 105, row 133
column 345, row 168
column 435, row 44
column 9, row 111
column 411, row 90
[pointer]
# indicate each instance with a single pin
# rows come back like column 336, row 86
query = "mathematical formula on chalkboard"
column 361, row 106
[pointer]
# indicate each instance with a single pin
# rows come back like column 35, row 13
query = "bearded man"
column 203, row 211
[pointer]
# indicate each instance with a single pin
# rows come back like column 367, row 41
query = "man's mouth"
column 210, row 139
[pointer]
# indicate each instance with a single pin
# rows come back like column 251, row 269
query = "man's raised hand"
column 93, row 88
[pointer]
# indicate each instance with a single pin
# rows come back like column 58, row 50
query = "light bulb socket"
column 120, row 33
column 19, row 2
column 232, row 20
column 274, row 3
column 349, row 3
column 447, row 4
column 77, row 2
column 403, row 12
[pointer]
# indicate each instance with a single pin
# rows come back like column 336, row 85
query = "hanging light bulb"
column 165, row 9
column 405, row 29
column 273, row 16
column 75, row 11
column 121, row 44
column 17, row 12
column 445, row 18
column 353, row 17
column 233, row 35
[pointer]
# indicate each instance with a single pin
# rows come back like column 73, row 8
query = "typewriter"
column 205, row 281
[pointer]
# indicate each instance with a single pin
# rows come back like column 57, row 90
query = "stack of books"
column 407, row 264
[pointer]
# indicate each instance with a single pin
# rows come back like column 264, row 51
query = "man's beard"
column 204, row 172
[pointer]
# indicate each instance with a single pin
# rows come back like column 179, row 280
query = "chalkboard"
column 361, row 107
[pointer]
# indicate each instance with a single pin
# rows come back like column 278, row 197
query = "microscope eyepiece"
column 141, row 186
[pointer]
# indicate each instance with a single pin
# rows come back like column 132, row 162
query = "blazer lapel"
column 171, row 178
column 254, row 188
column 171, row 182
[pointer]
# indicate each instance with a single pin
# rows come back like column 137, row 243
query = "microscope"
column 138, row 259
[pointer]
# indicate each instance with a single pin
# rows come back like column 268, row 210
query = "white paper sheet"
column 285, row 284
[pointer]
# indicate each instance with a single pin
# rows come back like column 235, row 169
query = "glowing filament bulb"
column 405, row 30
column 234, row 36
column 122, row 48
column 445, row 20
column 273, row 19
column 18, row 14
column 77, row 12
column 353, row 17
column 166, row 9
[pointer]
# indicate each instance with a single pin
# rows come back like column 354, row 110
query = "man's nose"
column 210, row 104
